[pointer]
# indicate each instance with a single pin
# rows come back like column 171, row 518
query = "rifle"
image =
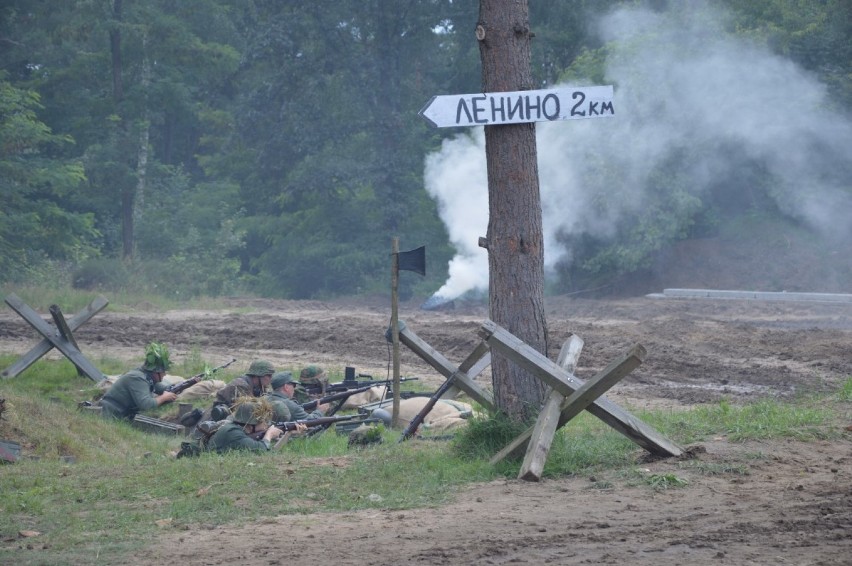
column 346, row 384
column 411, row 429
column 345, row 394
column 178, row 388
column 291, row 425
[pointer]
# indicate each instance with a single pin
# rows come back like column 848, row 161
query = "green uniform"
column 132, row 393
column 280, row 407
column 297, row 413
column 239, row 387
column 231, row 436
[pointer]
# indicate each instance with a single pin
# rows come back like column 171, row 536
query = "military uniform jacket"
column 239, row 387
column 231, row 436
column 132, row 393
column 297, row 413
column 280, row 407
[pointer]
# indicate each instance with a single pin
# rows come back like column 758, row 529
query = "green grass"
column 96, row 490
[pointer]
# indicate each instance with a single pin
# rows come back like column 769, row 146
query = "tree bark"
column 142, row 153
column 118, row 95
column 514, row 240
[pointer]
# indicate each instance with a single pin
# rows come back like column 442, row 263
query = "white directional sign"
column 488, row 109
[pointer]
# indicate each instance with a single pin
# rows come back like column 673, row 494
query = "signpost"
column 517, row 107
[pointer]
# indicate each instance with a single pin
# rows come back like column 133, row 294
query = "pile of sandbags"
column 445, row 416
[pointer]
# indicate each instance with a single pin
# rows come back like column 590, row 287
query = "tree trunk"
column 514, row 240
column 142, row 153
column 118, row 96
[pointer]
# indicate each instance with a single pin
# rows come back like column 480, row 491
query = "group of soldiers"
column 243, row 410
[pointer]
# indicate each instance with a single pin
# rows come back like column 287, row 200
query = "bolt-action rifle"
column 345, row 394
column 291, row 425
column 178, row 388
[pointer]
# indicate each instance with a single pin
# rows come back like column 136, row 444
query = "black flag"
column 414, row 260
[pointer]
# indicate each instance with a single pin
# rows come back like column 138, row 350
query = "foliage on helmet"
column 251, row 410
column 156, row 357
column 259, row 368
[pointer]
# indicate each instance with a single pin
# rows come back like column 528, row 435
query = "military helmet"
column 382, row 414
column 311, row 374
column 156, row 357
column 259, row 368
column 250, row 411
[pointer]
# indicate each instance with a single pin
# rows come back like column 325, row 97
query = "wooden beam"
column 64, row 331
column 43, row 347
column 445, row 367
column 474, row 371
column 60, row 343
column 480, row 350
column 548, row 418
column 537, row 364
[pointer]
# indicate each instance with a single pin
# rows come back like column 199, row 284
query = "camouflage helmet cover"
column 156, row 357
column 252, row 411
column 311, row 374
column 259, row 368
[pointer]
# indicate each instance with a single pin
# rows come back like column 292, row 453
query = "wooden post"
column 395, row 329
column 64, row 331
column 548, row 418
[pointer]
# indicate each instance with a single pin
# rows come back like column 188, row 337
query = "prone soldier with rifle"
column 140, row 389
column 250, row 428
column 179, row 388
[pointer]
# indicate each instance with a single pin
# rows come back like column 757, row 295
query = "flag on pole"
column 413, row 260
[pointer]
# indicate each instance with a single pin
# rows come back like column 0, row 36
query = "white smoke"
column 680, row 83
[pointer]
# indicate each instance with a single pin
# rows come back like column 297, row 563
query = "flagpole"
column 395, row 328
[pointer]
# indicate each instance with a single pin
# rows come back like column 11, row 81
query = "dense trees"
column 214, row 146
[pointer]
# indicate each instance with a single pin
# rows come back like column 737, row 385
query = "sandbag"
column 370, row 396
column 202, row 390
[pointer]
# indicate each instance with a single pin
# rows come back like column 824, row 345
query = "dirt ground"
column 768, row 502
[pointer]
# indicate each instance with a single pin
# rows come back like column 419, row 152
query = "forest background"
column 212, row 147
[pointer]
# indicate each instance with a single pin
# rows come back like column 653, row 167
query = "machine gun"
column 178, row 388
column 346, row 384
column 310, row 423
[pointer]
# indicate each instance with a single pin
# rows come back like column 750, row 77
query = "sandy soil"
column 772, row 502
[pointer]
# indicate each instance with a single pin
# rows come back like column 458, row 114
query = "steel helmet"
column 259, row 368
column 383, row 415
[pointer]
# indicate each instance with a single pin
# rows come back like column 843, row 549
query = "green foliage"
column 240, row 178
column 763, row 419
column 34, row 228
column 845, row 392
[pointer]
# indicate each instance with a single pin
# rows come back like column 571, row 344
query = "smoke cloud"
column 682, row 84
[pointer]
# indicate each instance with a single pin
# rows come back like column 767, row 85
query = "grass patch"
column 99, row 490
column 803, row 420
column 845, row 392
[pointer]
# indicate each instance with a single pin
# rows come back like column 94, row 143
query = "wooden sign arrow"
column 517, row 107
